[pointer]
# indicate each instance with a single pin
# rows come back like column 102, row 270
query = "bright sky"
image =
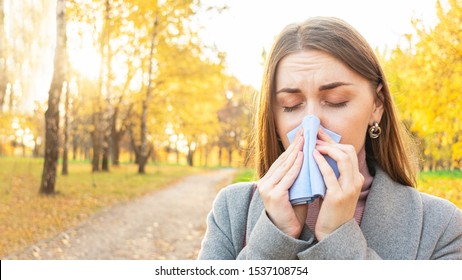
column 249, row 26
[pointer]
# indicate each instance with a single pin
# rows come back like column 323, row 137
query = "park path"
column 166, row 224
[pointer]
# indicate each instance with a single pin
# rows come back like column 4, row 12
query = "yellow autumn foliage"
column 426, row 80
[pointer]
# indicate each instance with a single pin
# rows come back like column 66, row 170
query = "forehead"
column 312, row 64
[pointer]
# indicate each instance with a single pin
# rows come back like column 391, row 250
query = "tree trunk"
column 105, row 161
column 134, row 147
column 115, row 152
column 86, row 153
column 108, row 112
column 206, row 156
column 105, row 147
column 23, row 146
column 74, row 147
column 177, row 154
column 144, row 114
column 64, row 170
column 230, row 156
column 106, row 150
column 3, row 56
column 137, row 158
column 11, row 98
column 115, row 142
column 220, row 156
column 190, row 158
column 47, row 185
column 35, row 152
column 96, row 141
column 118, row 134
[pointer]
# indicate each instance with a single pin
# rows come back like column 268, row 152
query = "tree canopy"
column 426, row 79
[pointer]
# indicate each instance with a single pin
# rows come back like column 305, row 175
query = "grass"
column 244, row 175
column 456, row 174
column 445, row 184
column 26, row 216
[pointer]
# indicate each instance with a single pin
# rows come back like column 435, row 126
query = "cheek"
column 354, row 137
column 352, row 130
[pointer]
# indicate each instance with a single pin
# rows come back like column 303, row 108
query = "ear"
column 378, row 107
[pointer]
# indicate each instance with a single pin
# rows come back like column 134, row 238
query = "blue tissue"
column 309, row 184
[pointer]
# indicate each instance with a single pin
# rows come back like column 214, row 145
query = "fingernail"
column 300, row 132
column 316, row 152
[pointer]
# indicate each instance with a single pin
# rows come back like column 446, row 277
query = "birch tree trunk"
column 143, row 151
column 3, row 55
column 48, row 182
column 65, row 169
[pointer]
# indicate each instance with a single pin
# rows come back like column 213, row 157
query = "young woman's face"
column 315, row 83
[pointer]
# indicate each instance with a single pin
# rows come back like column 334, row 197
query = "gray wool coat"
column 398, row 223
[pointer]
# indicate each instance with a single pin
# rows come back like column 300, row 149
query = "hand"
column 274, row 189
column 339, row 203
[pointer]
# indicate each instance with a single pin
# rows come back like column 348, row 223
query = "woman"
column 324, row 68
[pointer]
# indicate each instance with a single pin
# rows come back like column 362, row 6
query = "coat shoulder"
column 234, row 198
column 442, row 229
column 438, row 209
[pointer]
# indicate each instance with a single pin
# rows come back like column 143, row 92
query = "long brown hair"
column 391, row 151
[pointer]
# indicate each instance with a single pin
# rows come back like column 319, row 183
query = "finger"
column 288, row 180
column 343, row 160
column 351, row 152
column 327, row 173
column 280, row 166
column 322, row 135
column 345, row 163
column 347, row 149
column 287, row 164
column 280, row 160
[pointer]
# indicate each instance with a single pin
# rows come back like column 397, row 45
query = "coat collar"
column 392, row 218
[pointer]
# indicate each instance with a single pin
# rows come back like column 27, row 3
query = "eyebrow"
column 333, row 85
column 289, row 90
column 321, row 88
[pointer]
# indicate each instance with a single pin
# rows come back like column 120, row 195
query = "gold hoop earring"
column 375, row 131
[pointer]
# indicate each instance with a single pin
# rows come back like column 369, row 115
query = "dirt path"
column 167, row 224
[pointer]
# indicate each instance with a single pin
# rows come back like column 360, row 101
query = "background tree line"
column 426, row 78
column 153, row 91
column 139, row 85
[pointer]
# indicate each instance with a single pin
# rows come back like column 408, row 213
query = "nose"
column 312, row 109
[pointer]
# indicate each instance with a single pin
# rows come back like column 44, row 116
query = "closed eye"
column 337, row 105
column 291, row 109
